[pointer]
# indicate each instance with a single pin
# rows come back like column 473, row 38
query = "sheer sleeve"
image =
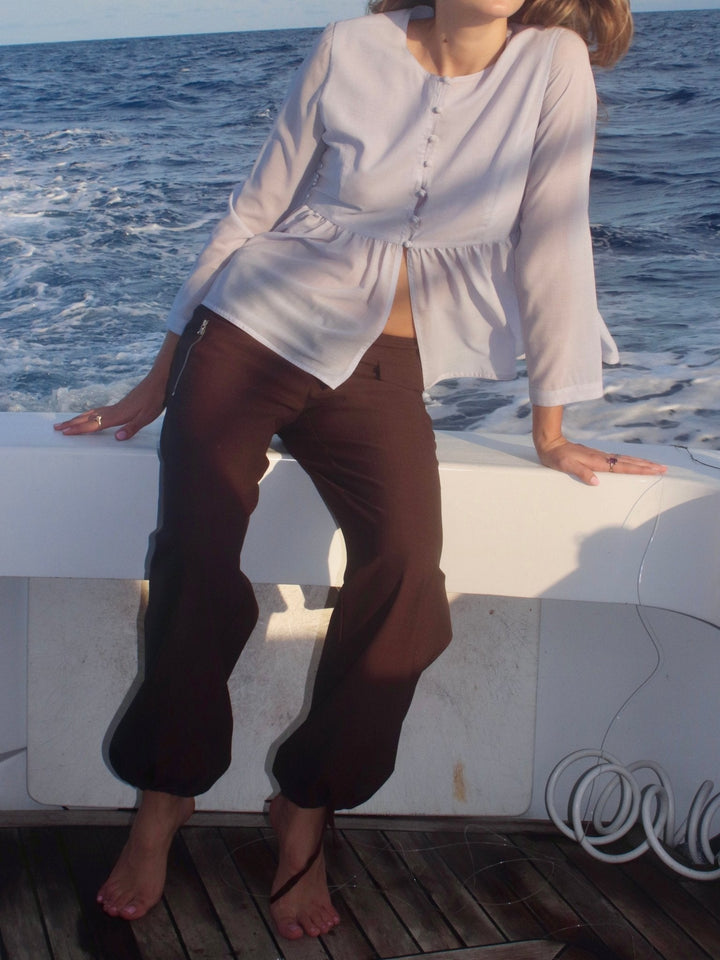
column 564, row 335
column 278, row 181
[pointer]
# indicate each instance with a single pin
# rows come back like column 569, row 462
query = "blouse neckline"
column 426, row 13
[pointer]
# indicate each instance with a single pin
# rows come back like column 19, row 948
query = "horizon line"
column 664, row 6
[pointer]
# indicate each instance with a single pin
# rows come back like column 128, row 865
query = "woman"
column 419, row 211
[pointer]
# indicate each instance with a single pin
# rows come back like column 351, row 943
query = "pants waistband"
column 400, row 343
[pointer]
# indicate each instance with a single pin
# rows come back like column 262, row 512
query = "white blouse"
column 482, row 180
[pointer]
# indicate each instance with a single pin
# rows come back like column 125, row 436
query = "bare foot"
column 138, row 878
column 306, row 908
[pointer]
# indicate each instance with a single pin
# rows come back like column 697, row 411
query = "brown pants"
column 369, row 448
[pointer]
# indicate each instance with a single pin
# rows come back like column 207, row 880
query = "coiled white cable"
column 655, row 805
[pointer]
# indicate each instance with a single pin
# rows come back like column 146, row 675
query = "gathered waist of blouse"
column 332, row 219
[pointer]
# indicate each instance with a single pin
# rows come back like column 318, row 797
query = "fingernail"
column 594, row 482
column 121, row 435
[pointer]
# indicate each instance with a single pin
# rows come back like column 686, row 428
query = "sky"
column 41, row 21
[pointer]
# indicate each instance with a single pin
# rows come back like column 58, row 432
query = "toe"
column 105, row 894
column 332, row 915
column 310, row 925
column 117, row 903
column 290, row 929
column 320, row 921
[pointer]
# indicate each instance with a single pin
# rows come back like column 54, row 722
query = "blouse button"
column 422, row 193
column 407, row 244
column 433, row 138
column 415, row 221
column 436, row 110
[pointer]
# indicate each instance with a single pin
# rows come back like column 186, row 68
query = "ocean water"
column 117, row 156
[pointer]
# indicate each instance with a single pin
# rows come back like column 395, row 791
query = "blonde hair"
column 605, row 25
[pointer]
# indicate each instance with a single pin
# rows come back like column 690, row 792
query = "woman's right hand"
column 141, row 406
column 137, row 409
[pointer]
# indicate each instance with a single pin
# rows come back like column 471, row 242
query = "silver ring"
column 611, row 461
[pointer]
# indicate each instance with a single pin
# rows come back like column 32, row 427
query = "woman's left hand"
column 558, row 453
column 585, row 462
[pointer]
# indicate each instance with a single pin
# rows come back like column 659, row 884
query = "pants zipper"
column 199, row 335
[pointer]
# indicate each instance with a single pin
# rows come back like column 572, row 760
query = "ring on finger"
column 97, row 418
column 611, row 461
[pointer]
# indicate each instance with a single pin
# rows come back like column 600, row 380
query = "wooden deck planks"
column 636, row 906
column 244, row 926
column 415, row 909
column 192, row 910
column 253, row 858
column 22, row 929
column 497, row 878
column 402, row 893
column 89, row 863
column 573, row 910
column 673, row 899
column 421, row 854
column 705, row 893
column 575, row 953
column 67, row 931
column 526, row 878
column 428, row 858
column 156, row 936
column 527, row 950
column 366, row 903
